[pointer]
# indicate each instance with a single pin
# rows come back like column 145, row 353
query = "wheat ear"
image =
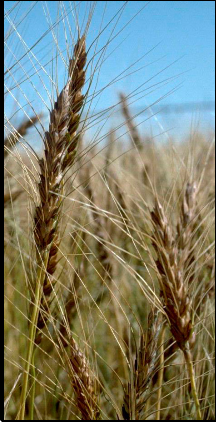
column 146, row 363
column 60, row 150
column 13, row 138
column 172, row 263
column 83, row 380
column 83, row 383
column 102, row 252
column 9, row 197
column 130, row 123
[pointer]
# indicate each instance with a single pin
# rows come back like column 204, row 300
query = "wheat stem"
column 31, row 407
column 161, row 371
column 33, row 326
column 189, row 363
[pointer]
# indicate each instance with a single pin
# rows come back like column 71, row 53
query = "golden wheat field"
column 109, row 257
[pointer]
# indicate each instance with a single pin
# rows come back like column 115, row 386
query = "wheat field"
column 109, row 258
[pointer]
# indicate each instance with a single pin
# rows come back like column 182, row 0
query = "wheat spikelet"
column 12, row 140
column 184, row 240
column 129, row 121
column 60, row 150
column 70, row 305
column 8, row 197
column 187, row 222
column 84, row 383
column 83, row 380
column 102, row 252
column 172, row 264
column 145, row 367
column 176, row 300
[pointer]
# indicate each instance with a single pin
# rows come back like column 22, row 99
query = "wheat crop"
column 109, row 232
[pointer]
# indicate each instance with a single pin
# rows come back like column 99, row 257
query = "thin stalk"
column 31, row 411
column 33, row 327
column 161, row 371
column 189, row 363
column 147, row 406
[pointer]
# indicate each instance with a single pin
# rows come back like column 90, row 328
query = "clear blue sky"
column 184, row 30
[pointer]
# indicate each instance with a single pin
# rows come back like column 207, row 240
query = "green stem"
column 33, row 387
column 161, row 371
column 32, row 333
column 189, row 363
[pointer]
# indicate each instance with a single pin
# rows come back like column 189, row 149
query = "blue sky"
column 165, row 39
